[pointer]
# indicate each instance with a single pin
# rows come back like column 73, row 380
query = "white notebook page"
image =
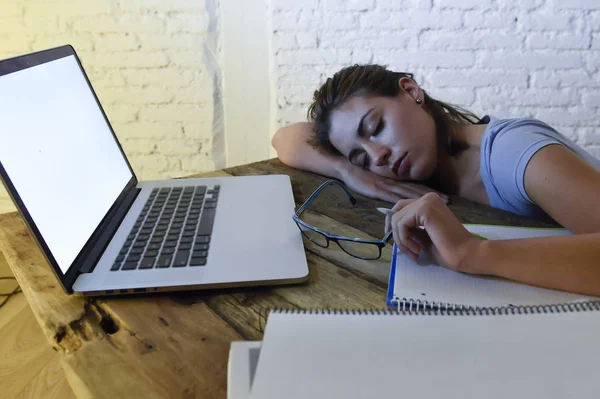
column 427, row 281
column 370, row 356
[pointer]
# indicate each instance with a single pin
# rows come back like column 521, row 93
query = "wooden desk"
column 175, row 345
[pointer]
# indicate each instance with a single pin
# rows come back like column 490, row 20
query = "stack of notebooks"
column 444, row 334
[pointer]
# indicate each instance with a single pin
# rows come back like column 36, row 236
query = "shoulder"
column 506, row 148
column 514, row 141
column 518, row 130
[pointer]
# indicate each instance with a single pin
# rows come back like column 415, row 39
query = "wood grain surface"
column 175, row 345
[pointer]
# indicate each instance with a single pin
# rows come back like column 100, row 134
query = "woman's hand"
column 372, row 185
column 442, row 236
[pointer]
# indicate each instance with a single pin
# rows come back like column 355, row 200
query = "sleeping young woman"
column 381, row 133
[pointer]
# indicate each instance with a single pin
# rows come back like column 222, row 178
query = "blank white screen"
column 59, row 153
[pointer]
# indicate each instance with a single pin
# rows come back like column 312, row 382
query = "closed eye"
column 379, row 127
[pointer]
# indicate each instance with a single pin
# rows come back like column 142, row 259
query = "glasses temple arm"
column 314, row 195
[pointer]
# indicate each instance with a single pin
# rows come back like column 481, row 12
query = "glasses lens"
column 314, row 236
column 360, row 249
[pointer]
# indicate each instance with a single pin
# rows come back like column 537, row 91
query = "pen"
column 390, row 212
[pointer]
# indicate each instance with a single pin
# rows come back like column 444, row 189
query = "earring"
column 418, row 101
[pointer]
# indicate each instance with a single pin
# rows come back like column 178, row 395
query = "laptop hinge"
column 108, row 232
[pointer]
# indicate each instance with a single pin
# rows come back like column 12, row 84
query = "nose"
column 380, row 154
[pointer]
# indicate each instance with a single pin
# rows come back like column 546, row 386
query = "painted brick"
column 10, row 10
column 490, row 20
column 135, row 6
column 440, row 59
column 116, row 42
column 171, row 76
column 464, row 4
column 578, row 5
column 11, row 25
column 589, row 136
column 544, row 40
column 530, row 60
column 354, row 5
column 538, row 21
column 591, row 100
column 128, row 59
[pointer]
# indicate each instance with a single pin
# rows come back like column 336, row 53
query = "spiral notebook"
column 425, row 284
column 327, row 354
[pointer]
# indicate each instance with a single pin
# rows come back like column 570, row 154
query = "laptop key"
column 186, row 246
column 202, row 240
column 206, row 222
column 129, row 266
column 167, row 251
column 133, row 258
column 199, row 254
column 164, row 261
column 136, row 250
column 153, row 246
column 201, row 247
column 151, row 254
column 115, row 266
column 198, row 262
column 186, row 239
column 181, row 258
column 147, row 263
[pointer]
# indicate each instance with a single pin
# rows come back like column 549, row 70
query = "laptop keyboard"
column 173, row 230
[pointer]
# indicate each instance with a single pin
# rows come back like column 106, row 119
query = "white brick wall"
column 145, row 61
column 158, row 65
column 506, row 58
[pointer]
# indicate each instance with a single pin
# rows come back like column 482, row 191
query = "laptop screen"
column 59, row 153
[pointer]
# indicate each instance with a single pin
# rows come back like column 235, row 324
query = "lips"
column 399, row 167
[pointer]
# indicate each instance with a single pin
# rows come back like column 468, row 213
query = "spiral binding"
column 418, row 307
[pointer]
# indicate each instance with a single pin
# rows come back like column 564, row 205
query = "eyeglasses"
column 357, row 247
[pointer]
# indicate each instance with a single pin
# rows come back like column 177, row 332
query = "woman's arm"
column 570, row 263
column 564, row 186
column 291, row 144
column 568, row 189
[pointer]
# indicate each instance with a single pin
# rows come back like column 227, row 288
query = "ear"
column 409, row 86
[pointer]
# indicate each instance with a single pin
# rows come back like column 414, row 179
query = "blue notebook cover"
column 392, row 279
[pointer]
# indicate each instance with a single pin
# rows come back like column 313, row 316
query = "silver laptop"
column 102, row 231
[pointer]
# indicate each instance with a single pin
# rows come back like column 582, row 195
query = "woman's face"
column 393, row 137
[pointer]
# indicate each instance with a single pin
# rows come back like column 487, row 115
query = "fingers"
column 397, row 207
column 400, row 204
column 401, row 246
column 403, row 238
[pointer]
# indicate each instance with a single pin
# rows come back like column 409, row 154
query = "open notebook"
column 422, row 284
column 401, row 355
